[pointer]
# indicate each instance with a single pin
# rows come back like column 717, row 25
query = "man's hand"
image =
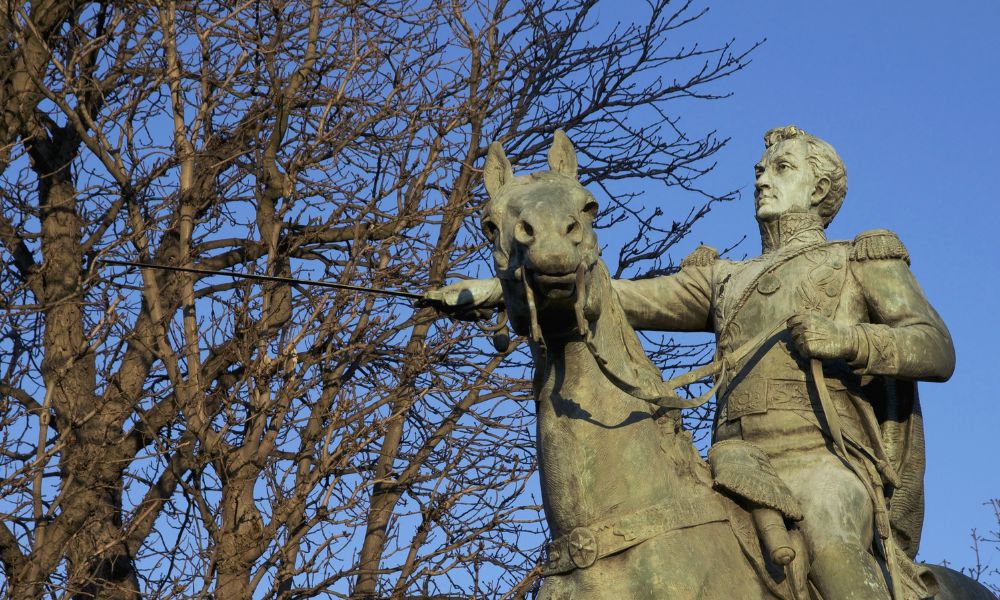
column 469, row 300
column 815, row 336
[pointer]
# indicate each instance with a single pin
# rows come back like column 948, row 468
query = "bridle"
column 654, row 391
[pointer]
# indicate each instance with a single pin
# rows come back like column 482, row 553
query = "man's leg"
column 841, row 572
column 837, row 527
column 839, row 518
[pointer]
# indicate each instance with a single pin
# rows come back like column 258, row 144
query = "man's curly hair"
column 825, row 162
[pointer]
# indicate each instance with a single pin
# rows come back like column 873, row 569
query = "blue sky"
column 907, row 92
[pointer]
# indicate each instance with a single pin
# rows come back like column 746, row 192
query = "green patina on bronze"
column 822, row 403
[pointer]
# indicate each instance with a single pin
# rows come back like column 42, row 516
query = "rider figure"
column 832, row 324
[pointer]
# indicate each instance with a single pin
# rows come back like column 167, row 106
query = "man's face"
column 785, row 180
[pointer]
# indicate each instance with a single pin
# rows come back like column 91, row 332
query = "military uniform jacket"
column 865, row 285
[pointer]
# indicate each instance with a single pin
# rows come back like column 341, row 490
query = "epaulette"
column 703, row 256
column 879, row 244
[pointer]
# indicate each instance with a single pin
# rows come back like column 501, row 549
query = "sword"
column 273, row 278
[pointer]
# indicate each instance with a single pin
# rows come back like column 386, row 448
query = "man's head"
column 798, row 173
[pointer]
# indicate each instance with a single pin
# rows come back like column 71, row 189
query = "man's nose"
column 762, row 183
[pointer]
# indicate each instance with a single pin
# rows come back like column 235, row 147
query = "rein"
column 654, row 391
column 661, row 393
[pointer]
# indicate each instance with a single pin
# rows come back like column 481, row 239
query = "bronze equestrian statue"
column 813, row 487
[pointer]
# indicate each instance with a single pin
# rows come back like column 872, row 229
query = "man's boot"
column 847, row 572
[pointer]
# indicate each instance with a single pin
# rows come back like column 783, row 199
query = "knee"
column 833, row 554
column 840, row 514
column 847, row 571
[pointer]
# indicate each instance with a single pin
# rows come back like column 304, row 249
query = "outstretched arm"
column 467, row 300
column 679, row 302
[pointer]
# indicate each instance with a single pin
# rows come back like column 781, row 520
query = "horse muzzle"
column 554, row 287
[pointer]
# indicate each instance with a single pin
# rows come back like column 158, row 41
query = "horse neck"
column 611, row 344
column 587, row 423
column 613, row 338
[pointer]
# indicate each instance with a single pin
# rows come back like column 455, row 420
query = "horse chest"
column 576, row 397
column 590, row 440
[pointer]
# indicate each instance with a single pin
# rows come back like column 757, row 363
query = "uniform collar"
column 791, row 229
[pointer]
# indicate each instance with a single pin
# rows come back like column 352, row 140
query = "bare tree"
column 168, row 434
column 984, row 548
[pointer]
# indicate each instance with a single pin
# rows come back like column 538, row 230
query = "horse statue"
column 633, row 510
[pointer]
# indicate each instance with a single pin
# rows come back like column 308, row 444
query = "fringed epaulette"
column 879, row 244
column 703, row 256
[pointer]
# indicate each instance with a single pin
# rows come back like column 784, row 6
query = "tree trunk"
column 99, row 564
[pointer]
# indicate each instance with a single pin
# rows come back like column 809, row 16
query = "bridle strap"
column 662, row 393
column 529, row 296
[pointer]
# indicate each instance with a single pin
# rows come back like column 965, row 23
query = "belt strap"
column 829, row 410
column 583, row 546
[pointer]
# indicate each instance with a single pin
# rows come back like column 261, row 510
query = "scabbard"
column 829, row 410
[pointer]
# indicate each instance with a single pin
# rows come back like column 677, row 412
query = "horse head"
column 544, row 246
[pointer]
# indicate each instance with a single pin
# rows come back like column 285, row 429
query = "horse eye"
column 591, row 209
column 491, row 231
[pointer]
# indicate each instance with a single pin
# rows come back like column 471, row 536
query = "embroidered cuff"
column 877, row 354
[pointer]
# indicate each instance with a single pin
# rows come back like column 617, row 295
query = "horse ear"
column 562, row 155
column 497, row 171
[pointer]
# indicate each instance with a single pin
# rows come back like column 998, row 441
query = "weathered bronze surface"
column 818, row 434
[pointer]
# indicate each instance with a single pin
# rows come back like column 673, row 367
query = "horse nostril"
column 574, row 232
column 524, row 233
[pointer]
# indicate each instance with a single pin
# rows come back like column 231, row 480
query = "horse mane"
column 615, row 332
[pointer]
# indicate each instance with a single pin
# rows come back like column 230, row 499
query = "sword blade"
column 272, row 278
